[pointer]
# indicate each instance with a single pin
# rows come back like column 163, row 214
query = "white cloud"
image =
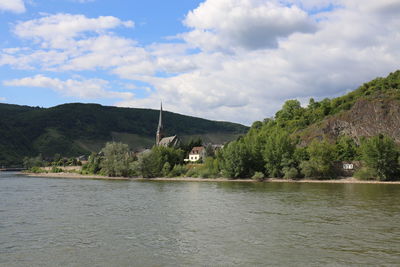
column 249, row 24
column 58, row 31
column 75, row 42
column 352, row 45
column 16, row 6
column 84, row 89
column 3, row 99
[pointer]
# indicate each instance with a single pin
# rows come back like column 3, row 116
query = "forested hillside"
column 371, row 109
column 76, row 129
column 363, row 125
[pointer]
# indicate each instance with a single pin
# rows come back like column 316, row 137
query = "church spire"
column 160, row 133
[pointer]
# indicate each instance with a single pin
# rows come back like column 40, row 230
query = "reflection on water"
column 57, row 222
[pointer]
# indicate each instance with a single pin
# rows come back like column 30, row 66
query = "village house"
column 197, row 153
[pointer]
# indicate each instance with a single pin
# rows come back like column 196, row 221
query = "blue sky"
column 235, row 60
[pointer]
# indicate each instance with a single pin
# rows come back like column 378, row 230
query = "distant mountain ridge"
column 76, row 129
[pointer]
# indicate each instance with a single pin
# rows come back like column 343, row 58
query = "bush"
column 55, row 169
column 193, row 172
column 36, row 169
column 290, row 173
column 178, row 170
column 166, row 169
column 365, row 173
column 258, row 176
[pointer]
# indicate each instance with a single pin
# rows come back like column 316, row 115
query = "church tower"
column 160, row 131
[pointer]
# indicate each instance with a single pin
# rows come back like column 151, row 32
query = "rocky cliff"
column 367, row 117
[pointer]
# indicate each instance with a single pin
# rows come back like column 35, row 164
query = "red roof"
column 197, row 150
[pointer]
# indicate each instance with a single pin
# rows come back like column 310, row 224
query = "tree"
column 278, row 153
column 33, row 162
column 154, row 163
column 381, row 154
column 93, row 166
column 235, row 163
column 150, row 165
column 117, row 159
column 321, row 162
column 210, row 152
column 291, row 110
column 346, row 149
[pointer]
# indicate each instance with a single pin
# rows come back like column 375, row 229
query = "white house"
column 197, row 153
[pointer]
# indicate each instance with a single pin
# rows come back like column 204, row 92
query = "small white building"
column 197, row 153
column 348, row 166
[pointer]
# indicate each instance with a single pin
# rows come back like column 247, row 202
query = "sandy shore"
column 348, row 180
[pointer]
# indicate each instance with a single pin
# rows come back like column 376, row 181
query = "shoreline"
column 62, row 175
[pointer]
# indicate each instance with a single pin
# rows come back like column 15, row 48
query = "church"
column 169, row 141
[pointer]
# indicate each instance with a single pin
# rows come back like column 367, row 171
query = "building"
column 169, row 141
column 197, row 153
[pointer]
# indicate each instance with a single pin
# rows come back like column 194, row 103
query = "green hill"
column 372, row 109
column 76, row 129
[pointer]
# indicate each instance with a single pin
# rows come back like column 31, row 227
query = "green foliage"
column 36, row 169
column 150, row 165
column 178, row 170
column 381, row 155
column 93, row 166
column 278, row 153
column 346, row 149
column 321, row 162
column 290, row 173
column 117, row 160
column 166, row 169
column 258, row 176
column 55, row 169
column 187, row 146
column 154, row 163
column 210, row 169
column 365, row 173
column 33, row 162
column 209, row 151
column 236, row 160
column 78, row 129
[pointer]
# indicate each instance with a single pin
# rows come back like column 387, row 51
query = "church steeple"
column 160, row 132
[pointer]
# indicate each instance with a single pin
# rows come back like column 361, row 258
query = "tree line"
column 270, row 149
column 256, row 156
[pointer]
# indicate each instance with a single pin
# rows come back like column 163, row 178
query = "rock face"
column 366, row 118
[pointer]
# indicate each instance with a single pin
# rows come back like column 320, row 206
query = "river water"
column 71, row 222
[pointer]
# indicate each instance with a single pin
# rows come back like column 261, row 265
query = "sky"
column 232, row 60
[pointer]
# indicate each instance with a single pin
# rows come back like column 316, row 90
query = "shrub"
column 55, row 169
column 193, row 172
column 36, row 169
column 365, row 173
column 166, row 169
column 258, row 176
column 178, row 170
column 290, row 173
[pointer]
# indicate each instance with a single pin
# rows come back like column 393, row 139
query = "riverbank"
column 68, row 175
column 347, row 180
